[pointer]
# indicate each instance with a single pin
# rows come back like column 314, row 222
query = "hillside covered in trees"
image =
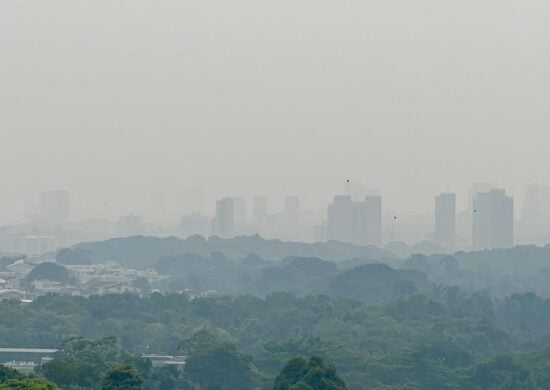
column 478, row 320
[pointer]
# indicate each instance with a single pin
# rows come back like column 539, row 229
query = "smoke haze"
column 116, row 100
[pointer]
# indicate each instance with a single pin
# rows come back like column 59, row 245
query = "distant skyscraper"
column 373, row 210
column 477, row 188
column 224, row 221
column 54, row 207
column 445, row 220
column 359, row 223
column 291, row 210
column 493, row 220
column 240, row 211
column 259, row 211
column 359, row 232
column 340, row 219
column 358, row 191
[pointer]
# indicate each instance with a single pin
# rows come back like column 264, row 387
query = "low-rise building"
column 11, row 294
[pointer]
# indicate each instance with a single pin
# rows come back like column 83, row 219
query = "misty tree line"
column 443, row 340
column 470, row 320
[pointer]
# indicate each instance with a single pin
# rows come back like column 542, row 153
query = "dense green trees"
column 447, row 339
column 81, row 362
column 467, row 321
column 121, row 377
column 298, row 374
column 8, row 373
column 49, row 271
column 13, row 380
column 215, row 363
column 28, row 384
column 74, row 256
column 103, row 364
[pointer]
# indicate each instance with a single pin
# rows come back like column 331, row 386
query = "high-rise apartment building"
column 445, row 220
column 355, row 222
column 240, row 212
column 493, row 220
column 259, row 211
column 223, row 223
column 341, row 219
column 373, row 215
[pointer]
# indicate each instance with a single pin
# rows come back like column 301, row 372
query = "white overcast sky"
column 116, row 99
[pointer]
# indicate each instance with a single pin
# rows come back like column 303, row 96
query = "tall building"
column 464, row 218
column 445, row 220
column 259, row 211
column 477, row 188
column 240, row 211
column 358, row 191
column 54, row 207
column 340, row 219
column 223, row 223
column 291, row 210
column 359, row 223
column 373, row 206
column 493, row 220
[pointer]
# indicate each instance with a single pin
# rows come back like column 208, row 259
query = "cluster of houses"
column 105, row 278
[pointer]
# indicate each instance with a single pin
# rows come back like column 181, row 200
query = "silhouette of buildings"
column 341, row 219
column 223, row 224
column 445, row 220
column 355, row 222
column 493, row 220
column 373, row 217
column 240, row 211
column 259, row 211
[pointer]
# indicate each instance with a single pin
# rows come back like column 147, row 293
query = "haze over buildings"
column 287, row 97
column 493, row 215
column 283, row 105
column 445, row 220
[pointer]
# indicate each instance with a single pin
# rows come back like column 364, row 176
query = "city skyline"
column 188, row 201
column 490, row 220
column 411, row 112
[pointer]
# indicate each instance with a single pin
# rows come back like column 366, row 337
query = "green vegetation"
column 28, row 384
column 49, row 271
column 298, row 374
column 443, row 340
column 121, row 377
column 476, row 320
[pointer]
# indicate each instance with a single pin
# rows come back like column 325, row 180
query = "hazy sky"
column 114, row 100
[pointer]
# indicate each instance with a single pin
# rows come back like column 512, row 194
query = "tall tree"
column 298, row 374
column 121, row 377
